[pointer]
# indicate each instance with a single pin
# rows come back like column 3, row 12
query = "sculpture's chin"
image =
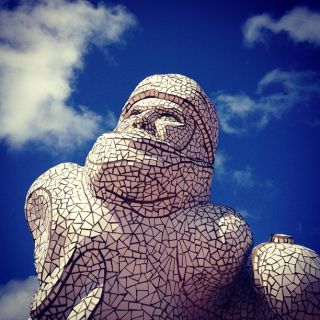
column 136, row 180
column 145, row 184
column 134, row 169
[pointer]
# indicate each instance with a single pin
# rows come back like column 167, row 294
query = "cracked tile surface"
column 132, row 235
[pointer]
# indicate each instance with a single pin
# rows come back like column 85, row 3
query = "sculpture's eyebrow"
column 128, row 112
column 141, row 106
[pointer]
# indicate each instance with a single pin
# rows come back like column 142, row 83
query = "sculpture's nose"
column 146, row 122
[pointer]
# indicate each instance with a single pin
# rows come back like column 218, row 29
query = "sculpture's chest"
column 142, row 274
column 150, row 271
column 143, row 253
column 158, row 266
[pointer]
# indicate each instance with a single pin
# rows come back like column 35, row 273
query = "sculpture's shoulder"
column 224, row 222
column 288, row 276
column 224, row 230
column 56, row 180
column 54, row 183
column 65, row 173
column 216, row 241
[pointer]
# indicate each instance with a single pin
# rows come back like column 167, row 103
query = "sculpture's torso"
column 126, row 266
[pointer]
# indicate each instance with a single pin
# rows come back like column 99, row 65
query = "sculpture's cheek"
column 179, row 136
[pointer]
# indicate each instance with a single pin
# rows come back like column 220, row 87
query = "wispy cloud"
column 246, row 214
column 301, row 25
column 243, row 177
column 42, row 44
column 16, row 297
column 224, row 171
column 238, row 178
column 276, row 93
column 220, row 164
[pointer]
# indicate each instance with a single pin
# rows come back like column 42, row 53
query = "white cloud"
column 41, row 47
column 16, row 297
column 301, row 25
column 233, row 108
column 277, row 92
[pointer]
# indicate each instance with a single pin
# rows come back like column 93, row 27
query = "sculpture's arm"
column 46, row 209
column 287, row 276
column 39, row 206
column 232, row 234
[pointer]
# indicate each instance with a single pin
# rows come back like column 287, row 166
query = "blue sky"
column 67, row 68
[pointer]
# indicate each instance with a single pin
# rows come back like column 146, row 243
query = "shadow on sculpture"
column 132, row 235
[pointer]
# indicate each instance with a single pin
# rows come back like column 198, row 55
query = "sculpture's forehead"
column 178, row 85
column 175, row 88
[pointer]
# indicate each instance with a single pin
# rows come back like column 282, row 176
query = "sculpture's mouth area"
column 144, row 141
column 137, row 146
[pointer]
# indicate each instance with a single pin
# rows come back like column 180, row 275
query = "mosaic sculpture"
column 132, row 235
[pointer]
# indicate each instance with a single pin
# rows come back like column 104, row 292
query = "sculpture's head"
column 160, row 157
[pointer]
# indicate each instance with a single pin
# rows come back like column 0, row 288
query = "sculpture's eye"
column 135, row 112
column 171, row 116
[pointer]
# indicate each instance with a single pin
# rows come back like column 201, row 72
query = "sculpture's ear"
column 38, row 214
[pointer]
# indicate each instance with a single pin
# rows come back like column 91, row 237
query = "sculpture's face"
column 158, row 120
column 156, row 159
